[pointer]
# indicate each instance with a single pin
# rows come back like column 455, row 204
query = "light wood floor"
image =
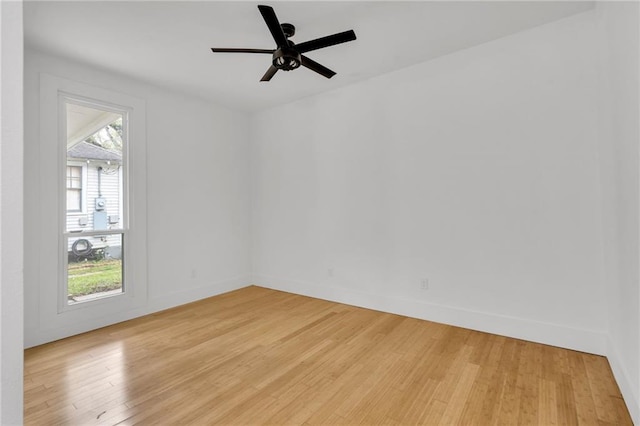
column 258, row 356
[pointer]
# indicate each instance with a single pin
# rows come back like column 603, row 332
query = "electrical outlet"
column 330, row 272
column 193, row 273
column 424, row 284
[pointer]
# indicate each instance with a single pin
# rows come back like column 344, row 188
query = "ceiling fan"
column 288, row 56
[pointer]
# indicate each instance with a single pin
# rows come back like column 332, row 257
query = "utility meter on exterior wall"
column 101, row 203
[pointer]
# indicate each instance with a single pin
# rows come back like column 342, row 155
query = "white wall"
column 619, row 143
column 477, row 170
column 197, row 194
column 11, row 235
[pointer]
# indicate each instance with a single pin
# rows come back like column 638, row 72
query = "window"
column 74, row 188
column 96, row 136
column 109, row 230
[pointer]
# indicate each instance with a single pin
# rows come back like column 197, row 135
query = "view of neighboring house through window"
column 94, row 227
column 74, row 188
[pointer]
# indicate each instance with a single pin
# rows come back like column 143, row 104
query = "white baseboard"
column 39, row 337
column 631, row 397
column 178, row 298
column 520, row 328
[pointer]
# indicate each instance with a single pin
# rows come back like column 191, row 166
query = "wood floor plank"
column 566, row 403
column 602, row 387
column 259, row 356
column 547, row 403
column 584, row 399
column 460, row 395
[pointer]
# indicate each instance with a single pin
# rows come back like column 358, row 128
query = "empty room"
column 320, row 212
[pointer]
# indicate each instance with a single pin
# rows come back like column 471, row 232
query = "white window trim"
column 64, row 99
column 60, row 319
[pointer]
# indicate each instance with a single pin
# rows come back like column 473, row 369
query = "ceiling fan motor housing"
column 286, row 59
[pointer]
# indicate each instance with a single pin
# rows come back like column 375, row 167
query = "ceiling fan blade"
column 314, row 66
column 327, row 41
column 240, row 50
column 270, row 73
column 273, row 24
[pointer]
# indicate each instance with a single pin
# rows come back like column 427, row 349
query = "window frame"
column 57, row 319
column 65, row 99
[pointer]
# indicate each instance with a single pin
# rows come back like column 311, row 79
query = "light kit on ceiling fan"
column 289, row 56
column 286, row 59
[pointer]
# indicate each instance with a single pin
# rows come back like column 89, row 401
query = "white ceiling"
column 168, row 43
